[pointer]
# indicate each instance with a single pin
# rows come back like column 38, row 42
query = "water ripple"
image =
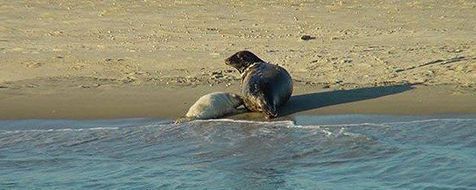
column 224, row 154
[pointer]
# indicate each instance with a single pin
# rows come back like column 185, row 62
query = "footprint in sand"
column 33, row 65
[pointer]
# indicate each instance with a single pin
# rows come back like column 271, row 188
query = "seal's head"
column 242, row 60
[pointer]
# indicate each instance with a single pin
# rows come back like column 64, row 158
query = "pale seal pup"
column 264, row 86
column 213, row 105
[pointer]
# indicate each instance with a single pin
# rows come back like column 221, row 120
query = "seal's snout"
column 228, row 61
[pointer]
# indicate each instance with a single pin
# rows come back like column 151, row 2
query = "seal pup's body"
column 213, row 105
column 264, row 86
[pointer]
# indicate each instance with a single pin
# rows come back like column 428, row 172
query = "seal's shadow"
column 311, row 101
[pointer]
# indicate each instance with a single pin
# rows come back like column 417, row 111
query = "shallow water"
column 323, row 152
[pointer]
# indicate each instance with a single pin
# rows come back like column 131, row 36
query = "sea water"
column 312, row 152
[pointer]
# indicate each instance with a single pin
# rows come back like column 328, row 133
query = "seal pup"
column 213, row 105
column 264, row 86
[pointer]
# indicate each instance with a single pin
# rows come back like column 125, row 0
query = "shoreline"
column 150, row 101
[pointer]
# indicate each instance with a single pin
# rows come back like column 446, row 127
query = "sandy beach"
column 108, row 59
column 384, row 94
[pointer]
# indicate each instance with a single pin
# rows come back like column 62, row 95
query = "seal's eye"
column 245, row 57
column 248, row 57
column 237, row 57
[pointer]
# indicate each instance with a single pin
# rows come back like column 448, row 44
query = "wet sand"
column 172, row 103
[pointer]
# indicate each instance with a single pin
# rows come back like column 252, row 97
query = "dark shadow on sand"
column 311, row 101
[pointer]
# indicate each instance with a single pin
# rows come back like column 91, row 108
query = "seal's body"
column 265, row 87
column 214, row 105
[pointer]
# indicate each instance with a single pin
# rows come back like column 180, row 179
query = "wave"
column 59, row 130
column 383, row 124
column 292, row 124
column 284, row 123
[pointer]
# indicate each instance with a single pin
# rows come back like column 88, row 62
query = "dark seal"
column 265, row 87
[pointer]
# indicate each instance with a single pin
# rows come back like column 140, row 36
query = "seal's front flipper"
column 270, row 112
column 267, row 107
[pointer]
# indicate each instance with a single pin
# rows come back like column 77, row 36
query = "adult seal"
column 264, row 86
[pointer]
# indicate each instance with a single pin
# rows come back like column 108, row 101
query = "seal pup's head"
column 242, row 60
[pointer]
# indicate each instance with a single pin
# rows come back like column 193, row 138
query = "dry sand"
column 108, row 59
